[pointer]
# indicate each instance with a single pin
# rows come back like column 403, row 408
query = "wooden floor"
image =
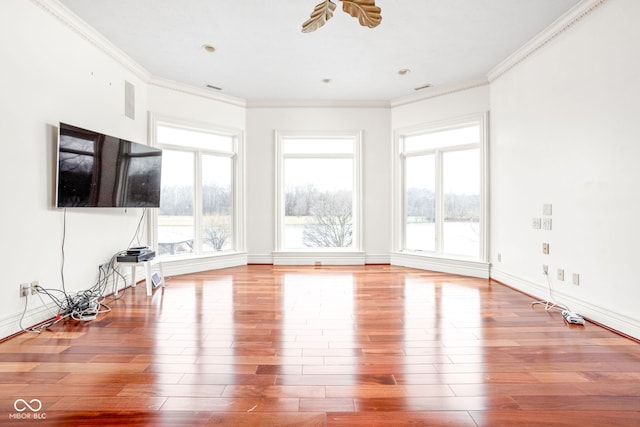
column 336, row 346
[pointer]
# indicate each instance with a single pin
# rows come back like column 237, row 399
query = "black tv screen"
column 98, row 170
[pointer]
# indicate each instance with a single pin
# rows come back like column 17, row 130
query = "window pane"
column 442, row 139
column 420, row 203
column 194, row 139
column 318, row 203
column 217, row 232
column 461, row 189
column 318, row 146
column 175, row 218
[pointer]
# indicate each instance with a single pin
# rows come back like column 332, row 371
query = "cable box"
column 141, row 256
column 137, row 250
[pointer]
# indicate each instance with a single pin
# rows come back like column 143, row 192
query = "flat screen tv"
column 98, row 170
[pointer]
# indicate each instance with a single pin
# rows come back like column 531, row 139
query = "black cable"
column 136, row 235
column 64, row 238
column 83, row 305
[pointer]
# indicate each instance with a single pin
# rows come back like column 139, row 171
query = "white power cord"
column 549, row 304
column 568, row 316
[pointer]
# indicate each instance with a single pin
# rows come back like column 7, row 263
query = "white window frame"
column 437, row 260
column 350, row 255
column 224, row 258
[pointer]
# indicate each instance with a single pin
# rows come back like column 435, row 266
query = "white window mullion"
column 356, row 217
column 197, row 203
column 279, row 193
column 439, row 222
column 401, row 238
column 235, row 205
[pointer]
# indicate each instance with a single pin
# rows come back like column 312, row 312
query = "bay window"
column 199, row 203
column 440, row 193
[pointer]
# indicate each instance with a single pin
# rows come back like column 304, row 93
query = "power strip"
column 572, row 318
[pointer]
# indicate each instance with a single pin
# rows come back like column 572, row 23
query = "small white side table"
column 147, row 265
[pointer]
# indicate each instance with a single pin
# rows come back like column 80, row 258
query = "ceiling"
column 262, row 55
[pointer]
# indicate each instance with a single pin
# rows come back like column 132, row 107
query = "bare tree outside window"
column 217, row 232
column 325, row 217
column 332, row 225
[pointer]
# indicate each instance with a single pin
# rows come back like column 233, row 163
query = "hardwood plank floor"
column 322, row 346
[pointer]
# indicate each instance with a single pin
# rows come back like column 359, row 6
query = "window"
column 442, row 203
column 318, row 192
column 200, row 193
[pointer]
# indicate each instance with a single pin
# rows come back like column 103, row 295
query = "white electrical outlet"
column 561, row 274
column 545, row 248
column 546, row 223
column 545, row 269
column 535, row 223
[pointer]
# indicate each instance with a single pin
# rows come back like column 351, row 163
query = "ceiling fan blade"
column 320, row 15
column 368, row 14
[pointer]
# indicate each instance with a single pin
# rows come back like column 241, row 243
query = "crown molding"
column 559, row 26
column 317, row 104
column 562, row 24
column 436, row 91
column 196, row 91
column 73, row 22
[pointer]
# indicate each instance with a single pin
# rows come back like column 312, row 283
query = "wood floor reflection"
column 310, row 346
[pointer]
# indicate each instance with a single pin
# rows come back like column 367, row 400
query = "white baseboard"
column 369, row 259
column 36, row 314
column 260, row 259
column 444, row 265
column 607, row 317
column 318, row 258
column 378, row 259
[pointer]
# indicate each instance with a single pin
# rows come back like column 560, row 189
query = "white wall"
column 441, row 105
column 376, row 166
column 193, row 105
column 50, row 74
column 564, row 126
